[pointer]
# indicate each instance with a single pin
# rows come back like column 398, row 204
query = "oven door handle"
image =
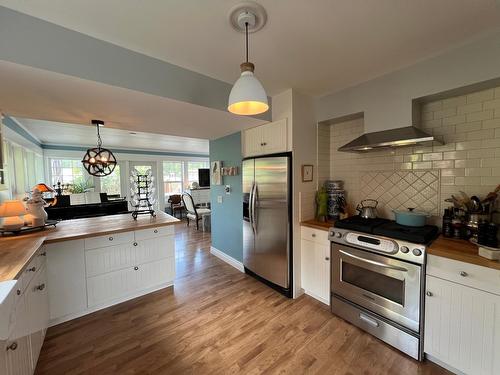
column 395, row 268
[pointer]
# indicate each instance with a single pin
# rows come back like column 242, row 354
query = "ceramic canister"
column 333, row 209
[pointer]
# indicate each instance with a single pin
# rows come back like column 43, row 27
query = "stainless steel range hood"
column 407, row 136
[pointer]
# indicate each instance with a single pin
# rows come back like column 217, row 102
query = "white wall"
column 387, row 101
column 300, row 111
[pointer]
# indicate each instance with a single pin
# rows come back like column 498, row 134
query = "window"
column 179, row 175
column 172, row 177
column 111, row 184
column 193, row 167
column 66, row 171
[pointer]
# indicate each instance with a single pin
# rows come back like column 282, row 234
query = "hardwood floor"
column 217, row 320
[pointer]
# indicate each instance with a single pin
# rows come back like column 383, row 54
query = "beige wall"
column 469, row 160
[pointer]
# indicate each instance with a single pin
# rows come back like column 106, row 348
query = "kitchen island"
column 79, row 267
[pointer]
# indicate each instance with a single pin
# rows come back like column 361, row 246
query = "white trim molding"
column 228, row 259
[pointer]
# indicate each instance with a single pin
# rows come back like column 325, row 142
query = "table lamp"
column 44, row 188
column 11, row 210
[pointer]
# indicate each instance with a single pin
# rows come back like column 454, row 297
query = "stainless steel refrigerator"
column 267, row 246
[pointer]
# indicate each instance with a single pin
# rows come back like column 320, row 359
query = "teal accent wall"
column 227, row 217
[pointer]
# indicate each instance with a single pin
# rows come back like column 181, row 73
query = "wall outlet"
column 219, row 199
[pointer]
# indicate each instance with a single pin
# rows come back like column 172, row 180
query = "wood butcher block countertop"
column 17, row 251
column 322, row 225
column 461, row 250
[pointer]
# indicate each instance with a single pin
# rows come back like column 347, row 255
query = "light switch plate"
column 219, row 199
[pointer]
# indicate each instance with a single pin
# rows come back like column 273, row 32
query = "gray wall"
column 387, row 101
column 34, row 42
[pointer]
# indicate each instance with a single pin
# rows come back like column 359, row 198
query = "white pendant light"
column 247, row 96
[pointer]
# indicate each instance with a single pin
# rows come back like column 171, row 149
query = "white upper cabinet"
column 266, row 139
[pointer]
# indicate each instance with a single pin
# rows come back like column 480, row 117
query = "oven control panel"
column 396, row 248
column 380, row 244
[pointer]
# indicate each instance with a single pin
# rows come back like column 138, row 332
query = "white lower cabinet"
column 86, row 275
column 29, row 320
column 462, row 325
column 315, row 264
column 66, row 279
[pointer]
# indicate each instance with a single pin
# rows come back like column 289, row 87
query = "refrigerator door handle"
column 253, row 201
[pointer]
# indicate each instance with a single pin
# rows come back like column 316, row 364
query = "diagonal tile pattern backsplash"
column 399, row 190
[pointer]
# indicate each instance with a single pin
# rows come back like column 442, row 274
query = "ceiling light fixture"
column 99, row 161
column 247, row 96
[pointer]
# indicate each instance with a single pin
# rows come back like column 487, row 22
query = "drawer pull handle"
column 156, row 231
column 327, row 258
column 12, row 346
column 136, row 268
column 135, row 243
column 368, row 320
column 313, row 235
column 40, row 287
column 44, row 254
column 110, row 238
column 18, row 292
column 32, row 269
column 464, row 274
column 429, row 294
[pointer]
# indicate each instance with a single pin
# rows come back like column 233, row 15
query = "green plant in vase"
column 81, row 185
column 321, row 204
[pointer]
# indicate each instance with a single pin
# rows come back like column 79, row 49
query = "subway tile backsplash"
column 469, row 160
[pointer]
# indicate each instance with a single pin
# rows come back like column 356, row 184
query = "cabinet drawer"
column 30, row 270
column 109, row 240
column 316, row 235
column 154, row 249
column 120, row 284
column 111, row 286
column 478, row 277
column 110, row 258
column 153, row 232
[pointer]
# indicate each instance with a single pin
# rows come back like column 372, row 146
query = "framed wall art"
column 307, row 173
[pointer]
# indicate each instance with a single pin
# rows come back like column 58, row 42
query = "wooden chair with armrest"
column 176, row 204
column 193, row 213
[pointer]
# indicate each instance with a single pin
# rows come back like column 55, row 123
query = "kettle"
column 369, row 210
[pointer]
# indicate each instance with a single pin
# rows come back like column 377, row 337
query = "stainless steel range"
column 377, row 279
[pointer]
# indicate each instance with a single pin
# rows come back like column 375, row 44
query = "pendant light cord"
column 246, row 40
column 99, row 141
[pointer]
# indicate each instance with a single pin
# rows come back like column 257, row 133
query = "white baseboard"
column 228, row 259
column 444, row 365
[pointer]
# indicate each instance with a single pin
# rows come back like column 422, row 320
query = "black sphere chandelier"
column 99, row 161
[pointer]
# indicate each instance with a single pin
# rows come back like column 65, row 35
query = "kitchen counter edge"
column 460, row 250
column 17, row 251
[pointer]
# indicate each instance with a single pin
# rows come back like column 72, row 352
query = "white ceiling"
column 56, row 133
column 38, row 94
column 317, row 46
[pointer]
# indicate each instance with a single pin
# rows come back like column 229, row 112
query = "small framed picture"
column 307, row 173
column 216, row 172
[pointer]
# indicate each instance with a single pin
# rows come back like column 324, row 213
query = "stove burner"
column 389, row 228
column 421, row 235
column 360, row 224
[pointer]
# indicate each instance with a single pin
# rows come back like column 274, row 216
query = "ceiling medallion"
column 98, row 161
column 247, row 96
